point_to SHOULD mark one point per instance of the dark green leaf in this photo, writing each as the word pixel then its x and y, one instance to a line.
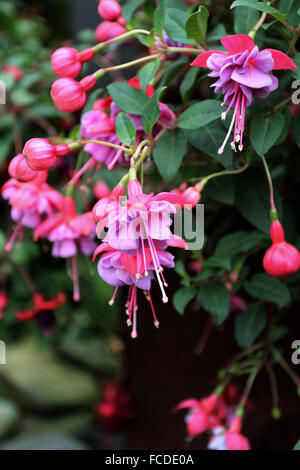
pixel 221 189
pixel 262 286
pixel 297 446
pixel 239 242
pixel 217 262
pixel 196 25
pixel 151 112
pixel 188 83
pixel 127 98
pixel 215 299
pixel 265 130
pixel 249 324
pixel 296 127
pixel 260 6
pixel 129 8
pixel 125 130
pixel 169 152
pixel 182 297
pixel 200 114
pixel 159 17
pixel 245 19
pixel 147 73
pixel 175 22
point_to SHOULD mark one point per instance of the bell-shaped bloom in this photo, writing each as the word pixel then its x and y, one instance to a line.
pixel 229 439
pixel 42 311
pixel 109 10
pixel 201 416
pixel 282 259
pixel 242 73
pixel 115 406
pixel 67 61
pixel 68 95
pixel 14 71
pixel 71 234
pixel 32 202
pixel 41 155
pixel 106 205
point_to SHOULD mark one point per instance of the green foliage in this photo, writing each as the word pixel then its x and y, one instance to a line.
pixel 125 129
pixel 215 299
pixel 128 99
pixel 169 152
pixel 249 324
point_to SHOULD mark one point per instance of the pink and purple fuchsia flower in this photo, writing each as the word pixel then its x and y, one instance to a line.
pixel 135 244
pixel 243 73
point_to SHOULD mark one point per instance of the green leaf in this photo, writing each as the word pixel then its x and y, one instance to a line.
pixel 159 17
pixel 244 19
pixel 249 324
pixel 200 114
pixel 217 262
pixel 217 33
pixel 175 22
pixel 252 199
pixel 239 242
pixel 169 152
pixel 125 130
pixel 260 6
pixel 182 297
pixel 6 143
pixel 221 189
pixel 209 138
pixel 127 98
pixel 147 73
pixel 297 446
pixel 151 112
pixel 196 25
pixel 262 286
pixel 129 8
pixel 265 130
pixel 215 299
pixel 296 127
pixel 188 83
pixel 22 97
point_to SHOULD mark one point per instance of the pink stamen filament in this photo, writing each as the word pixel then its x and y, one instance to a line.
pixel 115 159
pixel 18 228
pixel 134 331
pixel 112 300
pixel 231 103
pixel 76 291
pixel 156 322
pixel 89 164
pixel 221 149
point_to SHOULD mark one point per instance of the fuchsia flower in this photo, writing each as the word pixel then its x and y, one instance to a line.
pixel 41 155
pixel 109 10
pixel 136 242
pixel 200 418
pixel 243 73
pixel 31 202
pixel 3 303
pixel 229 439
pixel 68 95
pixel 70 234
pixel 19 169
pixel 67 61
pixel 109 30
pixel 42 311
pixel 14 71
pixel 282 259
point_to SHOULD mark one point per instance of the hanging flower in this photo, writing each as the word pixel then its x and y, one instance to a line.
pixel 229 439
pixel 243 73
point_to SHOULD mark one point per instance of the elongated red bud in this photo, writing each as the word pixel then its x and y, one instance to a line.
pixel 68 95
pixel 67 62
pixel 41 155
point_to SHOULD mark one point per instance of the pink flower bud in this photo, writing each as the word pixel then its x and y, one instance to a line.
pixel 122 21
pixel 69 95
pixel 281 259
pixel 109 30
pixel 19 169
pixel 134 188
pixel 191 196
pixel 67 62
pixel 41 155
pixel 109 9
pixel 16 72
pixel 101 189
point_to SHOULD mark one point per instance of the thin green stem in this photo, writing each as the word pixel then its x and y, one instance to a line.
pixel 271 188
pixel 100 142
pixel 132 62
pixel 185 49
pixel 134 32
pixel 278 357
pixel 225 172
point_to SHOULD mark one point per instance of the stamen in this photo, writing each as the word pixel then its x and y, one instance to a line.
pixel 221 149
pixel 156 322
pixel 89 164
pixel 112 300
pixel 76 291
pixel 17 230
pixel 115 160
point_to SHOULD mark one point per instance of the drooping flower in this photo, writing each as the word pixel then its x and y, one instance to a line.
pixel 14 71
pixel 109 10
pixel 68 95
pixel 115 406
pixel 70 234
pixel 109 30
pixel 243 73
pixel 41 155
pixel 42 311
pixel 229 439
pixel 201 415
pixel 19 169
pixel 3 303
pixel 32 202
pixel 282 259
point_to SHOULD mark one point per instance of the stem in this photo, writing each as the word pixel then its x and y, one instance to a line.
pixel 225 172
pixel 248 388
pixel 185 49
pixel 144 154
pixel 278 356
pixel 240 355
pixel 129 64
pixel 293 42
pixel 273 385
pixel 101 45
pixel 281 104
pixel 75 145
pixel 260 22
pixel 137 151
pixel 271 188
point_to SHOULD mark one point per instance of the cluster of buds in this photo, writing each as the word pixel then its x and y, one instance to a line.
pixel 113 24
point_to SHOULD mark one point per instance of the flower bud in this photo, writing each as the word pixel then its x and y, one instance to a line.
pixel 67 62
pixel 109 10
pixel 281 259
pixel 41 155
pixel 19 169
pixel 191 196
pixel 109 30
pixel 69 95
